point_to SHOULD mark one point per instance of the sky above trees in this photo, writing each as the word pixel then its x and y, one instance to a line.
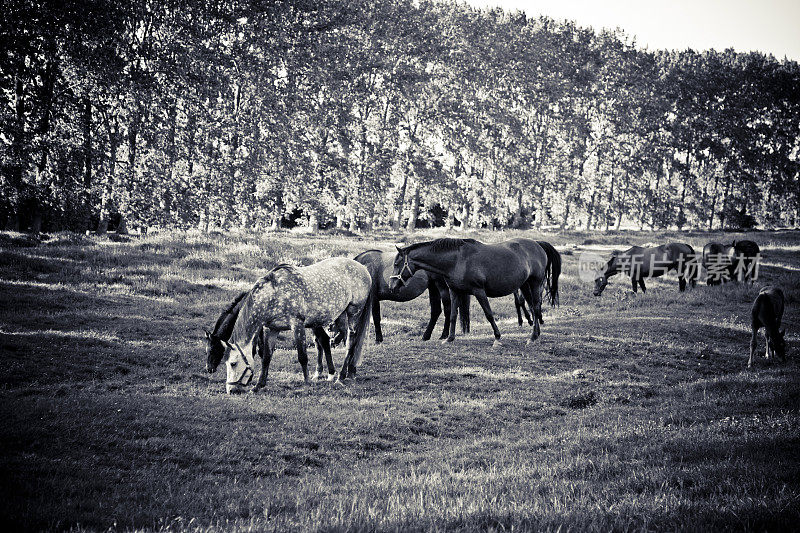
pixel 768 26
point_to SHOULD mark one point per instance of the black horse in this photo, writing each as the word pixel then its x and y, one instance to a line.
pixel 438 295
pixel 767 312
pixel 485 271
pixel 641 263
pixel 726 262
pixel 745 260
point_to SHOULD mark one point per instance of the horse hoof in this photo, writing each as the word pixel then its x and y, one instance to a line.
pixel 497 344
pixel 331 377
pixel 315 376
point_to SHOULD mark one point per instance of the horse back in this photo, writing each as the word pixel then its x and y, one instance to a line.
pixel 767 308
pixel 745 248
pixel 381 264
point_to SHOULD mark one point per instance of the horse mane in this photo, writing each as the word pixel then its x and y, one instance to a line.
pixel 365 252
pixel 277 268
pixel 239 331
pixel 230 310
pixel 444 244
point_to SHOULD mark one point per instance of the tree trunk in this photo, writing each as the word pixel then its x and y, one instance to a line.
pixel 133 137
pixel 172 156
pixel 106 200
pixel 17 143
pixel 87 162
pixel 590 210
pixel 465 216
pixel 684 182
pixel 412 219
pixel 451 219
pixel 397 221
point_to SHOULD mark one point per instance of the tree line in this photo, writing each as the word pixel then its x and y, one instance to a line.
pixel 365 113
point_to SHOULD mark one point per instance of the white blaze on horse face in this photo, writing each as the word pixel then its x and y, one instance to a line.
pixel 239 371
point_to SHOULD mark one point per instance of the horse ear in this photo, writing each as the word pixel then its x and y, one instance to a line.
pixel 207 332
pixel 226 344
pixel 398 248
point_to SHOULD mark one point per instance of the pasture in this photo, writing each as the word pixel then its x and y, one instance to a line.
pixel 630 412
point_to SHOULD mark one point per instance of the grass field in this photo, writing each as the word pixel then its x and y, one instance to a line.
pixel 631 412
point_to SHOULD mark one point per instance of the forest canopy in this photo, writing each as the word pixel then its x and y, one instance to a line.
pixel 364 113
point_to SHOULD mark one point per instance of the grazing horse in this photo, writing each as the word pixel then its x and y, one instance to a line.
pixel 223 327
pixel 725 262
pixel 295 298
pixel 438 295
pixel 717 262
pixel 656 261
pixel 767 312
pixel 485 271
pixel 746 260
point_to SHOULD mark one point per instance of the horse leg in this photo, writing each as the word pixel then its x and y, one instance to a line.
pixel 641 284
pixel 348 369
pixel 681 281
pixel 436 310
pixel 480 295
pixel 266 345
pixel 634 284
pixel 533 291
pixel 447 305
pixel 299 330
pixel 518 297
pixel 376 319
pixel 320 352
pixel 455 298
pixel 753 344
pixel 323 348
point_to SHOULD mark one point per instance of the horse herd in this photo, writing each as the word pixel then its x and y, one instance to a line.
pixel 341 293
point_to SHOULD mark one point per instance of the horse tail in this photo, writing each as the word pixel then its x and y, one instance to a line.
pixel 552 271
pixel 362 326
pixel 463 311
pixel 362 323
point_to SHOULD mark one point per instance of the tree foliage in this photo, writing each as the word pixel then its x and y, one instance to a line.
pixel 370 112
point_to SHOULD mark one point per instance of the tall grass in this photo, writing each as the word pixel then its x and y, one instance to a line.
pixel 631 412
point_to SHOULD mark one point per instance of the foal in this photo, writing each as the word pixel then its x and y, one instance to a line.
pixel 767 312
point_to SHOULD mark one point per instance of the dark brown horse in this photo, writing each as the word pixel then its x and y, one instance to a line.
pixel 485 271
pixel 746 256
pixel 726 262
pixel 717 260
pixel 767 312
pixel 640 263
pixel 438 295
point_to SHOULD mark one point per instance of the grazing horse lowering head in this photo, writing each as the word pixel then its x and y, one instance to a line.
pixel 777 344
pixel 601 281
pixel 239 369
pixel 404 269
pixel 215 351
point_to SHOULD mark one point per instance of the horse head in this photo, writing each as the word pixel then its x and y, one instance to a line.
pixel 778 344
pixel 239 369
pixel 402 271
pixel 215 351
pixel 601 280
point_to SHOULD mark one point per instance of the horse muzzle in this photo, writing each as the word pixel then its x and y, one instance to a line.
pixel 232 387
